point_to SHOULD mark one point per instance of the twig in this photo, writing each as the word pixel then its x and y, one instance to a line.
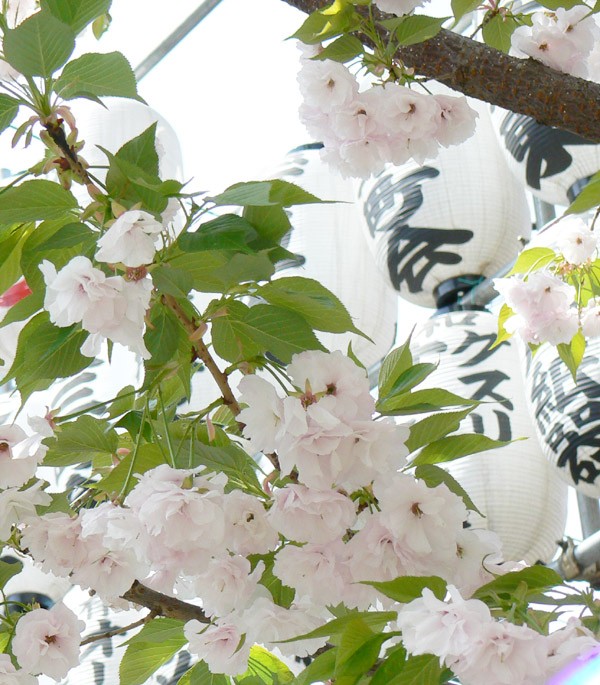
pixel 203 354
pixel 57 133
pixel 163 605
pixel 118 631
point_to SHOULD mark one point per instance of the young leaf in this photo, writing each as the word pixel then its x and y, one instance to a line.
pixel 342 49
pixel 97 75
pixel 394 365
pixel 462 7
pixel 435 427
pixel 417 28
pixel 587 198
pixel 8 570
pixel 532 259
pixel 454 447
pixel 358 650
pixel 497 30
pixel 572 353
pixel 76 13
pixel 535 579
pixel 80 441
pixel 264 668
pixel 200 675
pixel 373 619
pixel 505 313
pixel 421 401
pixel 434 475
pixel 39 45
pixel 406 588
pixel 264 194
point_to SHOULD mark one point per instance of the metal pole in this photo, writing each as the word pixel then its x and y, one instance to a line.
pixel 589 514
pixel 174 38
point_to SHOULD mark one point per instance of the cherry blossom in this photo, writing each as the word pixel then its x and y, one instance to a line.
pixel 9 675
pixel 398 7
pixel 47 641
pixel 16 468
pixel 131 240
pixel 221 645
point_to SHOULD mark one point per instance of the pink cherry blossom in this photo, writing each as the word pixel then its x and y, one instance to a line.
pixel 221 645
pixel 398 7
pixel 9 675
pixel 16 467
pixel 455 120
pixel 575 240
pixel 590 319
pixel 130 240
pixel 47 641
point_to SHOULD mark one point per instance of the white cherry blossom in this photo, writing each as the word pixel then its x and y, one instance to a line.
pixel 131 240
pixel 9 675
pixel 222 646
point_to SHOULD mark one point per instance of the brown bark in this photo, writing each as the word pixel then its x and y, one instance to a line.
pixel 520 85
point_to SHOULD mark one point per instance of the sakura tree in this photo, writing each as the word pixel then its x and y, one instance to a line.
pixel 295 513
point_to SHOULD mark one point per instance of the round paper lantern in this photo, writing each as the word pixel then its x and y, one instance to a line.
pixel 439 228
pixel 121 120
pixel 553 164
pixel 522 497
pixel 31 584
pixel 331 241
pixel 567 415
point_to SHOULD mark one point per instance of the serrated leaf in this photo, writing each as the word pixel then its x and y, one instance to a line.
pixel 406 588
pixel 97 75
pixel 358 649
pixel 76 13
pixel 534 578
pixel 434 475
pixel 422 401
pixel 587 198
pixel 417 28
pixel 394 365
pixel 153 646
pixel 497 31
pixel 264 667
pixel 227 232
pixel 435 427
pixel 39 45
pixel 264 194
pixel 532 259
pixel 555 4
pixel 271 222
pixel 373 619
pixel 8 111
pixel 339 17
pixel 80 441
pixel 171 281
pixel 311 300
pixel 454 447
pixel 408 379
pixel 462 7
pixel 423 670
pixel 342 49
pixel 162 335
pixel 35 201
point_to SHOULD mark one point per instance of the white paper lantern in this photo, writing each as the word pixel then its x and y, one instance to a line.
pixel 567 415
pixel 523 499
pixel 121 120
pixel 439 228
pixel 553 164
pixel 331 239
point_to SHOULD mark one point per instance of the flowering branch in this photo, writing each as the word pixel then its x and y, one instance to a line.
pixel 524 86
pixel 118 631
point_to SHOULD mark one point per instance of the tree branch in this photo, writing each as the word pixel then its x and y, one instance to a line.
pixel 163 605
pixel 520 85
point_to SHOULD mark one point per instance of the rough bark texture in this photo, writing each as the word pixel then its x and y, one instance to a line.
pixel 520 85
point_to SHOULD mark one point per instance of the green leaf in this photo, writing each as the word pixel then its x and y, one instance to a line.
pixel 422 670
pixel 264 667
pixel 97 75
pixel 171 281
pixel 342 49
pixel 435 427
pixel 129 182
pixel 572 353
pixel 10 256
pixel 227 232
pixel 528 581
pixel 264 194
pixel 555 4
pixel 205 273
pixel 417 28
pixel 271 222
pixel 141 151
pixel 406 588
pixel 320 669
pixel 390 671
pixel 162 334
pixel 407 380
pixel 339 17
pixel 505 313
pixel 282 594
pixel 76 13
pixel 8 111
pixel 394 365
pixel 7 571
pixel 532 259
pixel 200 675
pixel 456 446
pixel 422 401
pixel 80 441
pixel 462 7
pixel 497 30
pixel 358 649
pixel 34 201
pixel 46 352
pixel 23 309
pixel 153 646
pixel 373 619
pixel 40 45
pixel 434 475
pixel 311 300
pixel 587 198
pixel 248 331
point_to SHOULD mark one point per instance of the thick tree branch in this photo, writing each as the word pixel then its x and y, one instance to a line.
pixel 163 605
pixel 520 85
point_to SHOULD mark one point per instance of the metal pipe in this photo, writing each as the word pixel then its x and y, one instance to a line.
pixel 174 38
pixel 587 552
pixel 589 515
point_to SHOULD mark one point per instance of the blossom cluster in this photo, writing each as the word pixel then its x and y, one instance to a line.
pixel 546 306
pixel 363 130
pixel 481 649
pixel 110 307
pixel 564 39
